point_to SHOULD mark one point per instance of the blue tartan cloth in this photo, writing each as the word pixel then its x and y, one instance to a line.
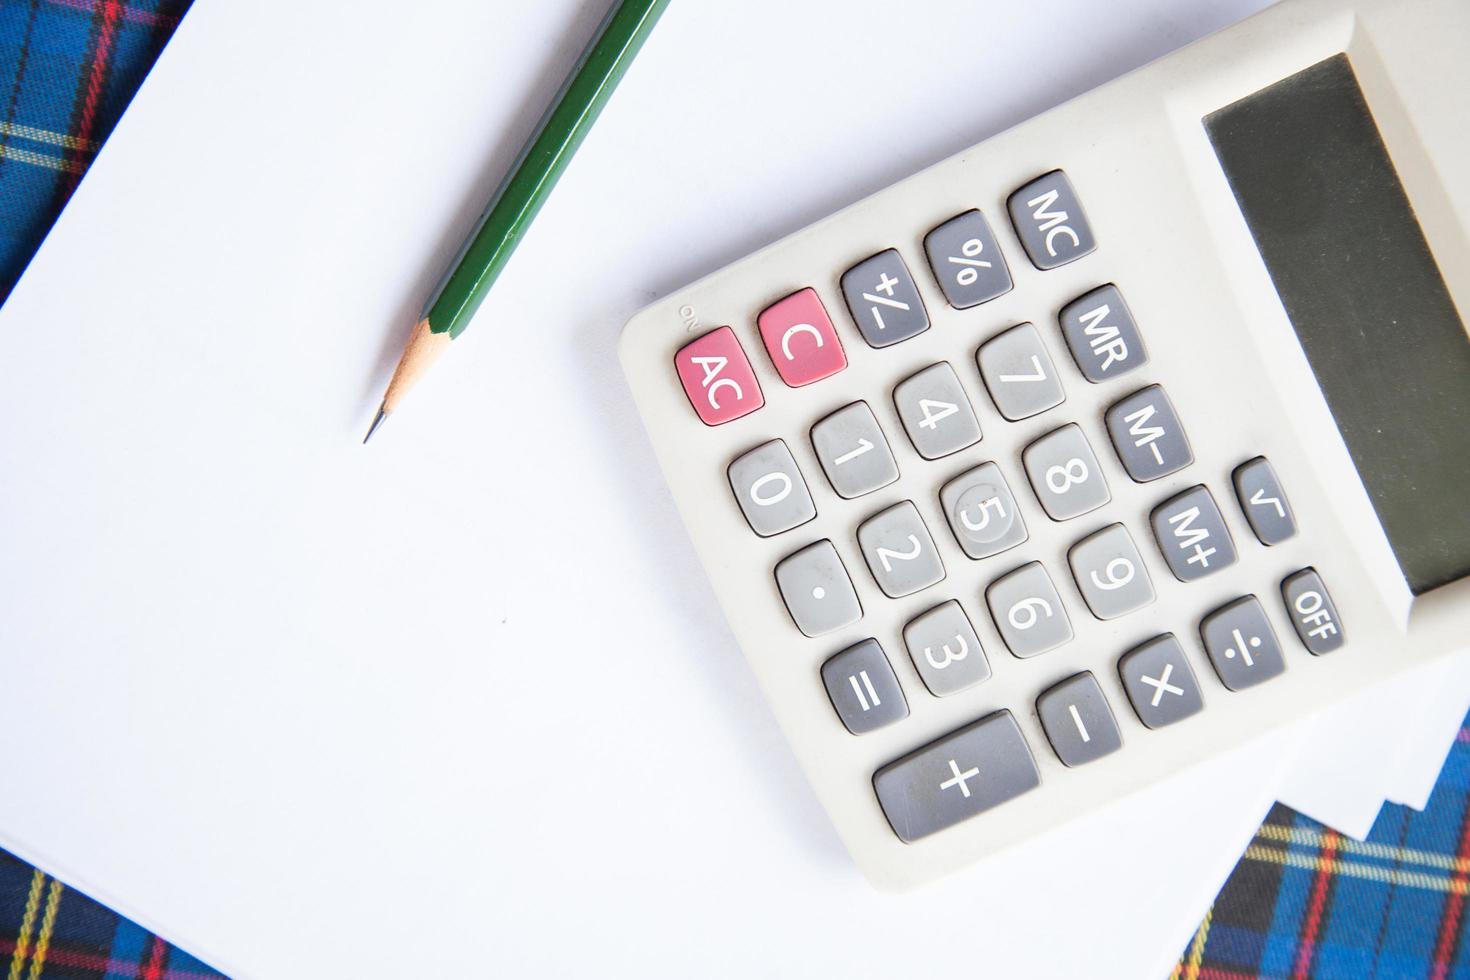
pixel 1303 902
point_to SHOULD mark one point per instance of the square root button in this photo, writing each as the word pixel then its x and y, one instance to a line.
pixel 956 777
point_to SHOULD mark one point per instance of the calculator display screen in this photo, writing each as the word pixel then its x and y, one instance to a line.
pixel 1363 292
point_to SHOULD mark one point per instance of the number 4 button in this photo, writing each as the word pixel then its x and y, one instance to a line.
pixel 936 413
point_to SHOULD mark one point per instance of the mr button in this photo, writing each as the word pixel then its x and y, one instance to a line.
pixel 1312 611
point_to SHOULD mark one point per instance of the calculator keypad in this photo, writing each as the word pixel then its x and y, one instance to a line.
pixel 1101 334
pixel 860 682
pixel 772 494
pixel 1065 475
pixel 1159 682
pixel 935 412
pixel 718 378
pixel 1147 435
pixel 1241 644
pixel 853 451
pixel 1110 573
pixel 899 551
pixel 1192 536
pixel 801 339
pixel 953 778
pixel 981 512
pixel 1077 720
pixel 884 300
pixel 1019 374
pixel 966 261
pixel 945 650
pixel 817 590
pixel 1050 222
pixel 1028 612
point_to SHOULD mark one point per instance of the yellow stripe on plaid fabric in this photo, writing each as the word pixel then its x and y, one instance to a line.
pixel 1403 855
pixel 1197 948
pixel 46 136
pixel 48 925
pixel 1356 869
pixel 27 923
pixel 41 160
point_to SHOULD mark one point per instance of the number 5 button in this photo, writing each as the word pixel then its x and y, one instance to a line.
pixel 1028 612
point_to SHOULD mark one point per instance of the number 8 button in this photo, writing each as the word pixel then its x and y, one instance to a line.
pixel 1065 474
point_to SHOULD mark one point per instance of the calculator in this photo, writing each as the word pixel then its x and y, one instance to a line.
pixel 1105 445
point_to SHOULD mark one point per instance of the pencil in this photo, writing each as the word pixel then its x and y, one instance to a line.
pixel 518 199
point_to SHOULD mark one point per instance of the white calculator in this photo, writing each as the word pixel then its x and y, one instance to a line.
pixel 1103 446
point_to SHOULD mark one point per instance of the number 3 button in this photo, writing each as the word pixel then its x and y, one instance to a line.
pixel 1028 612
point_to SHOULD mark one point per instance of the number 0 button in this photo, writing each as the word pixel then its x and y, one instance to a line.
pixel 770 489
pixel 1028 612
pixel 900 551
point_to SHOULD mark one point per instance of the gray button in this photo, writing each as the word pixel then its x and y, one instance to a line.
pixel 883 299
pixel 770 489
pixel 1241 644
pixel 1263 502
pixel 1147 435
pixel 817 590
pixel 853 452
pixel 1065 474
pixel 1077 720
pixel 1159 683
pixel 1312 612
pixel 966 260
pixel 945 650
pixel 1110 573
pixel 1028 612
pixel 952 779
pixel 1019 374
pixel 981 512
pixel 1192 536
pixel 1049 221
pixel 935 412
pixel 900 551
pixel 862 687
pixel 1101 333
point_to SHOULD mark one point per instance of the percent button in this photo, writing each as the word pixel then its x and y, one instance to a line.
pixel 966 261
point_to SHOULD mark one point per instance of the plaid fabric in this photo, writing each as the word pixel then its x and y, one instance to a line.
pixel 1303 902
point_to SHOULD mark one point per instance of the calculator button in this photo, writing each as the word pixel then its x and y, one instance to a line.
pixel 1028 612
pixel 1312 612
pixel 1019 374
pixel 981 512
pixel 801 340
pixel 1102 335
pixel 883 299
pixel 945 650
pixel 900 551
pixel 1241 644
pixel 1159 683
pixel 1263 502
pixel 1147 435
pixel 853 452
pixel 1064 473
pixel 1077 720
pixel 966 260
pixel 1050 222
pixel 956 777
pixel 1110 573
pixel 936 413
pixel 717 378
pixel 770 490
pixel 862 687
pixel 817 590
pixel 1191 535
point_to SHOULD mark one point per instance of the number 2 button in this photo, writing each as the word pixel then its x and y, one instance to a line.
pixel 718 378
pixel 900 551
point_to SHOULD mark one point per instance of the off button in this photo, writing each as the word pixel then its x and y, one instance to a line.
pixel 1312 612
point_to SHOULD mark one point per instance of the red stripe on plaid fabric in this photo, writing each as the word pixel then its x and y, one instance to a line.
pixel 146 17
pixel 1220 973
pixel 112 11
pixel 79 959
pixel 1454 908
pixel 1307 944
pixel 156 953
pixel 1464 735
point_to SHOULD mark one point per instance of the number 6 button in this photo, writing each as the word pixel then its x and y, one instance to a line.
pixel 1028 612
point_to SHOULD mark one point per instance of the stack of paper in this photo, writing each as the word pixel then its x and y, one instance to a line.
pixel 460 703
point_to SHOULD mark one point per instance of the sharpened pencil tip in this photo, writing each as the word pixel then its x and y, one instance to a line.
pixel 382 414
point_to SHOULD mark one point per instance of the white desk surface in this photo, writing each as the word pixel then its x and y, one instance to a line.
pixel 461 703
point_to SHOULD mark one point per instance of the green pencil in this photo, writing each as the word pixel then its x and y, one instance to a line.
pixel 521 194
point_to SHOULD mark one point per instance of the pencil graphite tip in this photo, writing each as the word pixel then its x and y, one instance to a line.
pixel 382 414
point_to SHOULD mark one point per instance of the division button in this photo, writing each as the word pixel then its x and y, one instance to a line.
pixel 1241 644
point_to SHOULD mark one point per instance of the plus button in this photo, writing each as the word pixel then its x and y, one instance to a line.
pixel 959 778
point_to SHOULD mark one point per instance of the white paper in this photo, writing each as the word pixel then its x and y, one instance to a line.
pixel 314 709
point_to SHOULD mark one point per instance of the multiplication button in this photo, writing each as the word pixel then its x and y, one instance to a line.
pixel 1159 682
pixel 956 777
